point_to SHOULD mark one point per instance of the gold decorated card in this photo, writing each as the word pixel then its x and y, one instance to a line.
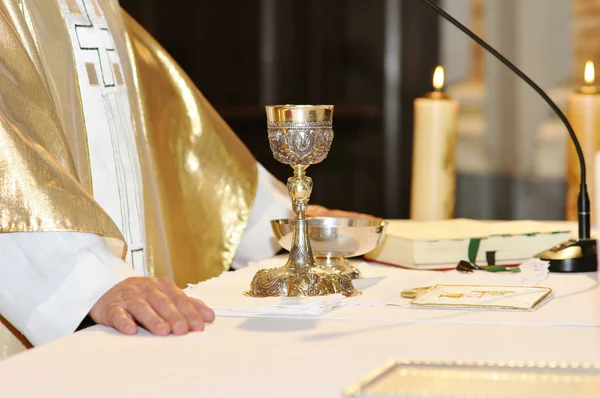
pixel 483 296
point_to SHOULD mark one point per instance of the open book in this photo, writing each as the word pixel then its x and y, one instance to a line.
pixel 442 244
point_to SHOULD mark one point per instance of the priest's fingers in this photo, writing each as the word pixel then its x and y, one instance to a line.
pixel 194 318
pixel 173 291
pixel 156 303
pixel 207 313
pixel 147 316
pixel 121 320
pixel 194 310
pixel 165 307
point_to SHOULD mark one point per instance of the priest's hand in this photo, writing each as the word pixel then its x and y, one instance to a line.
pixel 320 211
pixel 156 303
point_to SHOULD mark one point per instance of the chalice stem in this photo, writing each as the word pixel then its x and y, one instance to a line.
pixel 300 188
pixel 301 255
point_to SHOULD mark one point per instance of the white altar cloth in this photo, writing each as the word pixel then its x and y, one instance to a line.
pixel 381 301
pixel 269 358
pixel 252 355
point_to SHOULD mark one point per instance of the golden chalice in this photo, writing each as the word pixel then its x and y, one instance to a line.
pixel 300 135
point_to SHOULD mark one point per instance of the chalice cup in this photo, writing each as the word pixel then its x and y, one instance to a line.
pixel 300 135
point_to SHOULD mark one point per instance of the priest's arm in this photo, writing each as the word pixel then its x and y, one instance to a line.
pixel 51 280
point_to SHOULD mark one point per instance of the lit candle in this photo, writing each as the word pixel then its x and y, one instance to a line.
pixel 583 112
pixel 434 148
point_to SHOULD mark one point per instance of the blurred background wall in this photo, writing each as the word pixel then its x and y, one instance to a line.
pixel 372 58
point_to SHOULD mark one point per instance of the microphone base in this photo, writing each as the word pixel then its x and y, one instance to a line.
pixel 572 256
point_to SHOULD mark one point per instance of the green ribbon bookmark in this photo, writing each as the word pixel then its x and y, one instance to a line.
pixel 474 249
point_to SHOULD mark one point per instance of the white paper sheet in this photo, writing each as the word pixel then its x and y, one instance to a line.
pixel 226 295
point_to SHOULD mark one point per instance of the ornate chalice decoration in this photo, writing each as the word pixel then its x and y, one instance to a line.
pixel 300 135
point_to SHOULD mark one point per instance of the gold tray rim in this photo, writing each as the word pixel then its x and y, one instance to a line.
pixel 357 388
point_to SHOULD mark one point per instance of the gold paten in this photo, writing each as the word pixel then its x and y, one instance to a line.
pixel 300 135
pixel 333 239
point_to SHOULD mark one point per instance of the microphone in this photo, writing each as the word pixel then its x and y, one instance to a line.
pixel 574 255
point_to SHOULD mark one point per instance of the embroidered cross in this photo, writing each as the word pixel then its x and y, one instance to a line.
pixel 92 37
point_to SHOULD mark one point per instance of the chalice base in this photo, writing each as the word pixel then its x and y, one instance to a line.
pixel 340 264
pixel 292 281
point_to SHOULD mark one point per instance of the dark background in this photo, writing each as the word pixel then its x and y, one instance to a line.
pixel 369 58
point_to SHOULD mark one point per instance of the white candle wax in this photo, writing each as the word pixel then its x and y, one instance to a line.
pixel 433 189
pixel 583 112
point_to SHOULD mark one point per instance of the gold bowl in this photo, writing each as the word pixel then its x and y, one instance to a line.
pixel 333 239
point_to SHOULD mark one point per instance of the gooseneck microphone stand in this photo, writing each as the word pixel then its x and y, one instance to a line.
pixel 575 255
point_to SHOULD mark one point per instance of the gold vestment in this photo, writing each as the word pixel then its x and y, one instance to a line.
pixel 199 179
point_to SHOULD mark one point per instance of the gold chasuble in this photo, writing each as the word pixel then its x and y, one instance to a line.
pixel 198 179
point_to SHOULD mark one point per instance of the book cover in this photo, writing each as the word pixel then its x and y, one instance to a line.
pixel 442 244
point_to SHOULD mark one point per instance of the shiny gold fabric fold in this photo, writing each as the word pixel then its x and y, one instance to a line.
pixel 203 178
pixel 199 179
pixel 39 188
pixel 58 66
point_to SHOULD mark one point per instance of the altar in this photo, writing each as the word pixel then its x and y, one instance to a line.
pixel 265 354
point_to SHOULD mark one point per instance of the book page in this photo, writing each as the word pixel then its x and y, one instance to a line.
pixel 461 228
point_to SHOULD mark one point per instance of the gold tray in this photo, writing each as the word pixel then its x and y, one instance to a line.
pixel 456 379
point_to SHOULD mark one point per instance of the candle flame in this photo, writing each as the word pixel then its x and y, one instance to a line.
pixel 589 73
pixel 438 78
